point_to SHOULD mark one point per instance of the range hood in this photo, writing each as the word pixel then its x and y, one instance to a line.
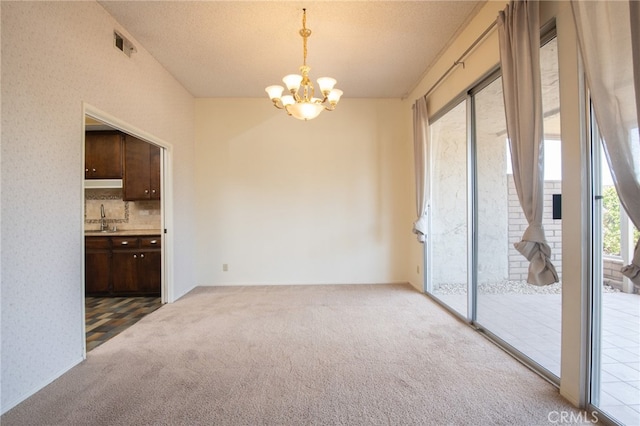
pixel 103 183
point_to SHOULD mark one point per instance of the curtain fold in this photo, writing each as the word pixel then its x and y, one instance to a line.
pixel 519 35
pixel 420 155
pixel 607 33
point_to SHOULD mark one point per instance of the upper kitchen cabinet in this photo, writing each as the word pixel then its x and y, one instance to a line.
pixel 141 170
pixel 103 155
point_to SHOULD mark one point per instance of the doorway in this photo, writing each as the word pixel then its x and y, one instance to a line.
pixel 125 267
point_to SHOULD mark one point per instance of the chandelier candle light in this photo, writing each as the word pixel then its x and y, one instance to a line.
pixel 301 102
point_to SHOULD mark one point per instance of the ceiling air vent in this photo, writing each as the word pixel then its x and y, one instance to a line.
pixel 123 44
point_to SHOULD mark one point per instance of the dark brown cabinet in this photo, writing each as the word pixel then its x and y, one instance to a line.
pixel 149 265
pixel 136 265
pixel 141 170
pixel 123 266
pixel 97 265
pixel 103 155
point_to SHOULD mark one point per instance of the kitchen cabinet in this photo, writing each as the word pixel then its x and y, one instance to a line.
pixel 103 155
pixel 150 265
pixel 97 267
pixel 141 170
pixel 123 266
pixel 136 265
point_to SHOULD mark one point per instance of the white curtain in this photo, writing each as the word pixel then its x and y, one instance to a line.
pixel 610 44
pixel 420 155
pixel 519 35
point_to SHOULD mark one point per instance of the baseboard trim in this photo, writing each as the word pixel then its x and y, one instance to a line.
pixel 297 283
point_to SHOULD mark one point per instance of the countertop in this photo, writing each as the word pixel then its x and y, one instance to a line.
pixel 123 233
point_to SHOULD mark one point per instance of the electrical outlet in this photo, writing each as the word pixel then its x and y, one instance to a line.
pixel 225 267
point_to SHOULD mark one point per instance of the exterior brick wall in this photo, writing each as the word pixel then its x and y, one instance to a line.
pixel 611 271
pixel 518 264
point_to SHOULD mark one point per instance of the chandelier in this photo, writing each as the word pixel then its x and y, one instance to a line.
pixel 301 103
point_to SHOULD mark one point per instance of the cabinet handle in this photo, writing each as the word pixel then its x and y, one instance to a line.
pixel 141 255
pixel 154 241
pixel 135 256
pixel 94 170
pixel 153 191
pixel 86 170
pixel 124 243
pixel 146 191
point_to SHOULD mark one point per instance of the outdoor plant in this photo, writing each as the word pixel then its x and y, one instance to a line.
pixel 611 222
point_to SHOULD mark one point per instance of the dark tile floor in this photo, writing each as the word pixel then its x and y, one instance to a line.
pixel 108 316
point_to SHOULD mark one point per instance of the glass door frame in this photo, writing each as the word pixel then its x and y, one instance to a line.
pixel 473 225
pixel 465 97
pixel 595 255
pixel 596 278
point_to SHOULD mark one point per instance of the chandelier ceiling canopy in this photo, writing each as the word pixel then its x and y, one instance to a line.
pixel 301 102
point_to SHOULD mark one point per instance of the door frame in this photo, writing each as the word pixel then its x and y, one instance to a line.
pixel 166 203
pixel 594 306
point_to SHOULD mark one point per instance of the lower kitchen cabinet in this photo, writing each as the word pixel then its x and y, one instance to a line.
pixel 97 266
pixel 150 264
pixel 136 265
pixel 125 272
pixel 133 268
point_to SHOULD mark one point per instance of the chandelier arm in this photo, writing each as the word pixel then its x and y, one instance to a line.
pixel 278 103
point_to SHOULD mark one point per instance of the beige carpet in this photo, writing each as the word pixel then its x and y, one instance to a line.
pixel 296 355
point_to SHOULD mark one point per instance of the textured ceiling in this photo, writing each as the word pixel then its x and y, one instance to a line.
pixel 375 49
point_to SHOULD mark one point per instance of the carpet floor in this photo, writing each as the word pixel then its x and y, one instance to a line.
pixel 296 355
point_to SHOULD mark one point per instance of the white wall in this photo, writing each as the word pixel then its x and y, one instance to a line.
pixel 283 201
pixel 55 56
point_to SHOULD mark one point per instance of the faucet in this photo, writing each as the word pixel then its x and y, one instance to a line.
pixel 103 221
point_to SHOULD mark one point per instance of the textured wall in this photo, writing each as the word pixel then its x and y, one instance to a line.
pixel 283 201
pixel 55 56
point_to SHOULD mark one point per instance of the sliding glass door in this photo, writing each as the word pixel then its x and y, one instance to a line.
pixel 476 218
pixel 525 317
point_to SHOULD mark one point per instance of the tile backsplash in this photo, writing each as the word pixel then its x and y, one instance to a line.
pixel 125 215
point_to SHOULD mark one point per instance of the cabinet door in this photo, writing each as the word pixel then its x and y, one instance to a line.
pixel 149 272
pixel 97 266
pixel 96 269
pixel 103 155
pixel 125 271
pixel 136 185
pixel 154 171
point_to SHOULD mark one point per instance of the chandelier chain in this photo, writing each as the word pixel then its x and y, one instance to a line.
pixel 305 33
